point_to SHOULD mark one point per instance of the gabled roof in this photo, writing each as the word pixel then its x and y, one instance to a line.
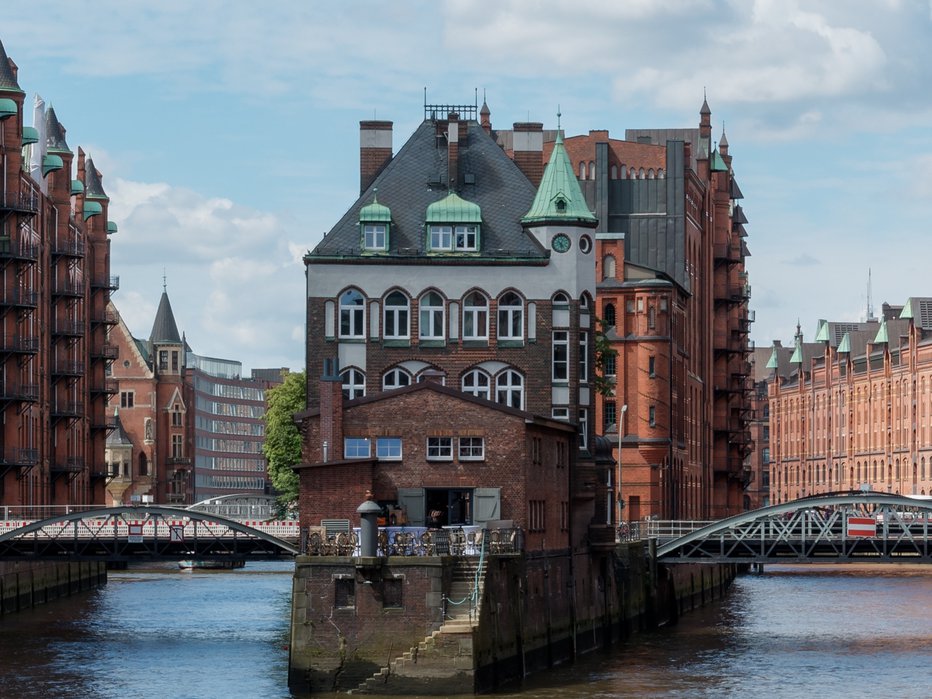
pixel 118 437
pixel 164 329
pixel 559 198
pixel 416 177
pixel 7 80
pixel 920 310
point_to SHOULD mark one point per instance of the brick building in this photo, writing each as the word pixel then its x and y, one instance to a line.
pixel 455 266
pixel 673 294
pixel 853 409
pixel 54 317
pixel 194 424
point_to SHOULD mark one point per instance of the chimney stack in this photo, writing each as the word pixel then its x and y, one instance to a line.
pixel 528 146
pixel 453 149
pixel 375 150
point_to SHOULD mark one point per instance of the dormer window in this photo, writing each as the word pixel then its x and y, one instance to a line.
pixel 374 222
pixel 453 225
pixel 374 236
pixel 561 205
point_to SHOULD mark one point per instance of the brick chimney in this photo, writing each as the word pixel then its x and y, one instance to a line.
pixel 331 413
pixel 529 149
pixel 453 149
pixel 375 150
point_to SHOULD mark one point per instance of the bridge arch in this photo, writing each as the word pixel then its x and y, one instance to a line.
pixel 102 524
pixel 885 506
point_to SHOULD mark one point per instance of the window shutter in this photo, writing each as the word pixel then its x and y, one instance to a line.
pixel 487 504
pixel 411 500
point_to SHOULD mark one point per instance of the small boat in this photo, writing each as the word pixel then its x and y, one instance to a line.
pixel 189 564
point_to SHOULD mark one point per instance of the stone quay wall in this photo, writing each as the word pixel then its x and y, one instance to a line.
pixel 537 610
pixel 24 585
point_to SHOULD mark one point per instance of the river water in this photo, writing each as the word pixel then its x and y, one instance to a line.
pixel 790 632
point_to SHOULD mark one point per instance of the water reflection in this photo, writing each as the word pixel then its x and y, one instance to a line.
pixel 792 632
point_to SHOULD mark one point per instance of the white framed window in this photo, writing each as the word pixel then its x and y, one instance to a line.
pixel 127 399
pixel 397 313
pixel 177 416
pixel 561 299
pixel 177 446
pixel 477 383
pixel 431 316
pixel 475 317
pixel 352 314
pixel 356 448
pixel 466 237
pixel 583 356
pixel 354 383
pixel 510 317
pixel 509 389
pixel 440 448
pixel 560 413
pixel 561 355
pixel 395 378
pixel 471 448
pixel 583 428
pixel 441 237
pixel 374 236
pixel 388 448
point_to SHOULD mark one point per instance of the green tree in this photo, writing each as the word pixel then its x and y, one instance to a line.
pixel 604 384
pixel 282 447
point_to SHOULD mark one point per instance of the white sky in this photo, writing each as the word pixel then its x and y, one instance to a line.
pixel 228 131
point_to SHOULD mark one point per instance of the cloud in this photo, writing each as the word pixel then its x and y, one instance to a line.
pixel 232 274
pixel 803 261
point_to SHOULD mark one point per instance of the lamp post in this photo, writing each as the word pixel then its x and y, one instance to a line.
pixel 621 435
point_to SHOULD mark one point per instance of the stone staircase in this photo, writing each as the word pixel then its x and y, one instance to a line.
pixel 446 654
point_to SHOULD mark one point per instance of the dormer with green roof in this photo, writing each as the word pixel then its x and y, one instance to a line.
pixel 375 222
pixel 453 225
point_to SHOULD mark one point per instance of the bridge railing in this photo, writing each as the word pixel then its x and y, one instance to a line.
pixel 418 541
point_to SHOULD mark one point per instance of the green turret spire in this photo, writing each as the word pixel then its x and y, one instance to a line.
pixel 559 198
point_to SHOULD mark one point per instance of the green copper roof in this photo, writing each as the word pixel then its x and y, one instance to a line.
pixel 92 208
pixel 30 135
pixel 907 311
pixel 95 189
pixel 7 108
pixel 375 212
pixel 822 335
pixel 559 198
pixel 797 357
pixel 772 363
pixel 50 163
pixel 77 186
pixel 881 336
pixel 844 347
pixel 55 134
pixel 718 163
pixel 112 227
pixel 453 209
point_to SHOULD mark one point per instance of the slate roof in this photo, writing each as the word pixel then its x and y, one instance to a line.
pixel 7 81
pixel 164 329
pixel 92 184
pixel 416 178
pixel 118 437
pixel 55 134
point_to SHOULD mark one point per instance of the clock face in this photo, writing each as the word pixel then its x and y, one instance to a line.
pixel 560 242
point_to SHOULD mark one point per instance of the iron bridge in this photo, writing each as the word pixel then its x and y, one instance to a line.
pixel 846 528
pixel 147 532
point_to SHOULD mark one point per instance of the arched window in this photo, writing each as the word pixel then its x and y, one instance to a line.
pixel 561 299
pixel 397 313
pixel 431 316
pixel 609 312
pixel 510 317
pixel 477 383
pixel 354 383
pixel 614 172
pixel 475 317
pixel 591 170
pixel 352 312
pixel 608 267
pixel 509 389
pixel 395 378
pixel 582 171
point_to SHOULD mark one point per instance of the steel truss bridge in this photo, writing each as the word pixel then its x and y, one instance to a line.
pixel 845 528
pixel 147 532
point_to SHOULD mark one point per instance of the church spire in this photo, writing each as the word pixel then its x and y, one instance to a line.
pixel 164 329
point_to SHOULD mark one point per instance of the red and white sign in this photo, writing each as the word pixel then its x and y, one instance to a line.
pixel 862 527
pixel 175 532
pixel 135 533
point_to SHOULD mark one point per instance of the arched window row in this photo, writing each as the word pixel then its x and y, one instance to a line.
pixel 506 386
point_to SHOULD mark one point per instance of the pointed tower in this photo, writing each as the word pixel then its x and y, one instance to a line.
pixel 165 341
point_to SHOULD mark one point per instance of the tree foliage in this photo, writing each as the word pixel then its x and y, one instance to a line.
pixel 604 384
pixel 282 446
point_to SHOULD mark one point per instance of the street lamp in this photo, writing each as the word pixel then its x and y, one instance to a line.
pixel 621 434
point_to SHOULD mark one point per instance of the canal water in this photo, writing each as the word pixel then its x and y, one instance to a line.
pixel 790 632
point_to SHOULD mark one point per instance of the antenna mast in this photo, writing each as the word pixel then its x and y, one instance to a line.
pixel 870 303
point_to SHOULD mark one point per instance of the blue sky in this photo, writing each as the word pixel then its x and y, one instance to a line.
pixel 228 132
